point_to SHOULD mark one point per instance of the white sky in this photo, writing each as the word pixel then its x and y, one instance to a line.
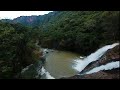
pixel 14 14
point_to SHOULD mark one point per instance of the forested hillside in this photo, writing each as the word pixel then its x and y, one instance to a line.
pixel 17 49
pixel 80 31
pixel 33 21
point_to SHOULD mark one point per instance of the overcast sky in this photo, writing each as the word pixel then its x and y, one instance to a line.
pixel 14 14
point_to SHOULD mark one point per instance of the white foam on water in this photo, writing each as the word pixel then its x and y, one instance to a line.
pixel 42 70
pixel 48 76
pixel 81 57
pixel 81 64
pixel 108 66
pixel 26 68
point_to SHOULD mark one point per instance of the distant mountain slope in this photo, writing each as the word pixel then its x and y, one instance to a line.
pixel 35 20
pixel 6 20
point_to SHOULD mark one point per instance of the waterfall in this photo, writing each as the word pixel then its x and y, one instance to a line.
pixel 41 71
pixel 81 64
pixel 108 66
pixel 46 73
pixel 26 68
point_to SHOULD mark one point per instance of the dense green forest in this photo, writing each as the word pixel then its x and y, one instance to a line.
pixel 17 49
pixel 80 31
pixel 77 31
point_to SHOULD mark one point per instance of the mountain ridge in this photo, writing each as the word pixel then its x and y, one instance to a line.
pixel 33 20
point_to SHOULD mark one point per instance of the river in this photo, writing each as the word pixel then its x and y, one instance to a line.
pixel 59 63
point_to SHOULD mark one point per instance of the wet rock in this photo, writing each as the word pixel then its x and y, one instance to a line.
pixel 108 74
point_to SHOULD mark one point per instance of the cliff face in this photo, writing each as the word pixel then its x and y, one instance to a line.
pixel 26 20
pixel 111 55
pixel 35 20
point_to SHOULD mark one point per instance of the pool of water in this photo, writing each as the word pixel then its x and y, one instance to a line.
pixel 59 63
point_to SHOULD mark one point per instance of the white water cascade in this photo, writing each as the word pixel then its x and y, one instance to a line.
pixel 108 66
pixel 81 64
pixel 26 68
pixel 47 74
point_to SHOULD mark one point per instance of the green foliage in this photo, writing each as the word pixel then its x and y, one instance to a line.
pixel 16 49
pixel 82 31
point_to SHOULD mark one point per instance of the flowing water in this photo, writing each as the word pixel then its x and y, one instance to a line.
pixel 58 64
pixel 65 64
pixel 108 66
